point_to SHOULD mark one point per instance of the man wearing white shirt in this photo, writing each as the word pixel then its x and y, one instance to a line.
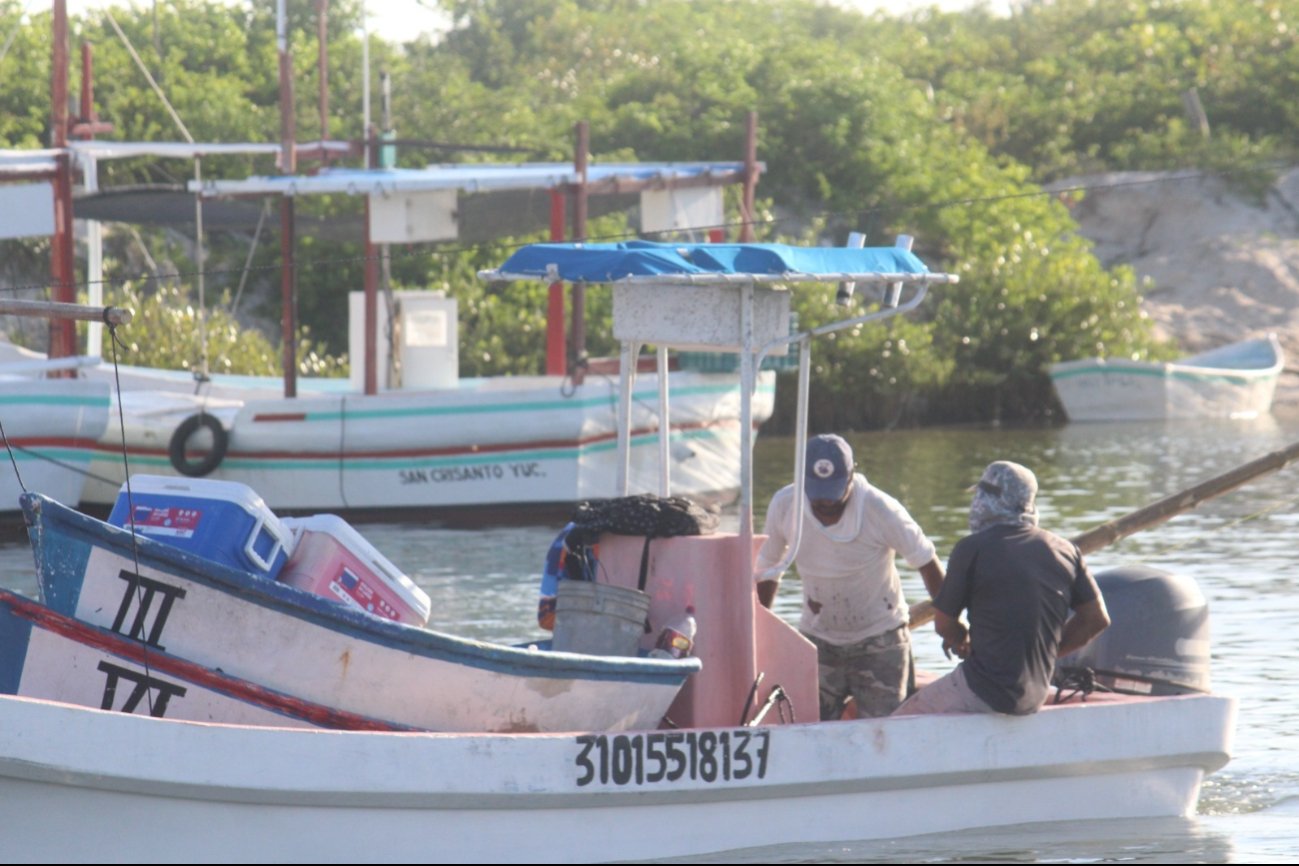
pixel 853 608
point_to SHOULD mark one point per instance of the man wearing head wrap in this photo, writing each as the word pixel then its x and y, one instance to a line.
pixel 853 609
pixel 1029 598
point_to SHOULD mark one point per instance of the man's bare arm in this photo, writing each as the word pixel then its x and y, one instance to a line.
pixel 932 573
pixel 1088 620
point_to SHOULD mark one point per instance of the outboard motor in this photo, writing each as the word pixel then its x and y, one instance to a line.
pixel 1158 639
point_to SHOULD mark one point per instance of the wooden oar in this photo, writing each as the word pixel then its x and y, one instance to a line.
pixel 1156 513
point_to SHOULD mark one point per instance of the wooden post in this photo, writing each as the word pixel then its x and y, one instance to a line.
pixel 288 297
pixel 750 176
pixel 578 311
pixel 63 335
pixel 322 67
pixel 370 284
pixel 555 365
pixel 288 165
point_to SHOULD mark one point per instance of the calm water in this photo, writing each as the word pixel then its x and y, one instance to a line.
pixel 1240 548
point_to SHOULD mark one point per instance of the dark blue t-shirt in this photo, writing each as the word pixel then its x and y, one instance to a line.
pixel 1018 584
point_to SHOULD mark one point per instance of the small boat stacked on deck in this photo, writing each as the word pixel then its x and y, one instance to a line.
pixel 737 759
pixel 191 574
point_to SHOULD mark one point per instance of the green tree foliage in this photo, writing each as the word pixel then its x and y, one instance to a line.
pixel 1073 87
pixel 939 125
pixel 165 331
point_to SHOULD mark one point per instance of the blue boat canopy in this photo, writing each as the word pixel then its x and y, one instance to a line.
pixel 613 262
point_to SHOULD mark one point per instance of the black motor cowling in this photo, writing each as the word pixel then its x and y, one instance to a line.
pixel 1158 640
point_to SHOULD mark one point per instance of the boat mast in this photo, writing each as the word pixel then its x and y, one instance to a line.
pixel 63 335
pixel 288 165
pixel 578 312
pixel 85 128
pixel 750 176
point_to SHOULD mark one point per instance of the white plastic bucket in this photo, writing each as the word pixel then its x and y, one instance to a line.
pixel 599 618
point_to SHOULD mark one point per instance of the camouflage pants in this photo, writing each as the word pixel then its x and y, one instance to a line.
pixel 877 672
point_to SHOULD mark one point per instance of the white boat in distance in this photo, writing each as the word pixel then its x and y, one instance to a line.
pixel 481 448
pixel 741 767
pixel 1232 381
pixel 51 431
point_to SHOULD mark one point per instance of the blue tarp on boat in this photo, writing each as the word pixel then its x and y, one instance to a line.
pixel 601 263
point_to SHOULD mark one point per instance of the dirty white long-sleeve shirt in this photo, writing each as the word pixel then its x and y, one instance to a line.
pixel 848 568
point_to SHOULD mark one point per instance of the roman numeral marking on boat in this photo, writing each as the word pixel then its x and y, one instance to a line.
pixel 142 685
pixel 145 590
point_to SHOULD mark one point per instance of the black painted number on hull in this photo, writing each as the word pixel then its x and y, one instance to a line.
pixel 670 756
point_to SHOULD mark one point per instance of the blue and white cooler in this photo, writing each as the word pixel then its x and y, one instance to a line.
pixel 224 521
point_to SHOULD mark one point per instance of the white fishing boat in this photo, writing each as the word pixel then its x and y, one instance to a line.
pixel 1233 381
pixel 484 447
pixel 407 433
pixel 738 762
pixel 153 790
pixel 51 427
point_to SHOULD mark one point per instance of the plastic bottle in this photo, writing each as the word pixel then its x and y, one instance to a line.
pixel 678 639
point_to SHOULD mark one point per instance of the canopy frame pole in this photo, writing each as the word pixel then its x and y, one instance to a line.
pixel 627 381
pixel 665 426
pixel 749 365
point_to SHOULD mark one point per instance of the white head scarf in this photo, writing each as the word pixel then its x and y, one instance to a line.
pixel 1004 495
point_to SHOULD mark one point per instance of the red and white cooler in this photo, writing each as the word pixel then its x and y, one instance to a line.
pixel 333 560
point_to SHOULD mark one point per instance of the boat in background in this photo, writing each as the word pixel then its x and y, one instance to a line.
pixel 51 429
pixel 1232 381
pixel 479 449
pixel 407 433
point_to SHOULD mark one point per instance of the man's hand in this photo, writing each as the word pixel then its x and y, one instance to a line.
pixel 961 647
pixel 956 637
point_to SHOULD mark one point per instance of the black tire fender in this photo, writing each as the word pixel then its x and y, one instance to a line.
pixel 184 432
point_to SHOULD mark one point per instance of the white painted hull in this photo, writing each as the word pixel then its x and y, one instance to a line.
pixel 498 442
pixel 52 427
pixel 146 790
pixel 326 653
pixel 1101 389
pixel 55 658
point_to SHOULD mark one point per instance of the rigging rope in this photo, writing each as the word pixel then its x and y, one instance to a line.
pixel 114 340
